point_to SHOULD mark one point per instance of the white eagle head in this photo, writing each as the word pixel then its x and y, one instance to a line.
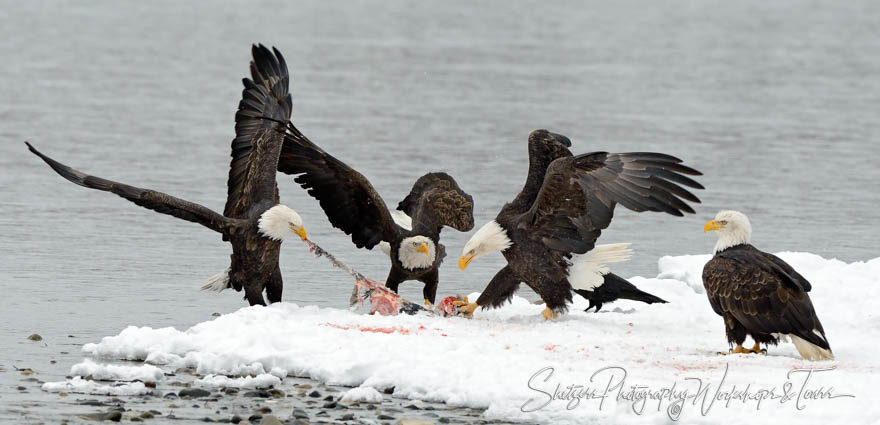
pixel 280 221
pixel 417 252
pixel 732 227
pixel 490 238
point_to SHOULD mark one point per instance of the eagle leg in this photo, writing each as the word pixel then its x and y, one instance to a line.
pixel 549 314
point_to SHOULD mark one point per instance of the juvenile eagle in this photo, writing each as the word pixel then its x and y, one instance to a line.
pixel 253 221
pixel 759 294
pixel 548 232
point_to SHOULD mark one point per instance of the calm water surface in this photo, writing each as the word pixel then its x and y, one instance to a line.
pixel 777 104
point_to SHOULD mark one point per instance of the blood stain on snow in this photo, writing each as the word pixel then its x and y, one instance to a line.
pixel 390 330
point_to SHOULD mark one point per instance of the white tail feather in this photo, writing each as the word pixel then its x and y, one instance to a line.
pixel 218 282
pixel 587 271
pixel 809 350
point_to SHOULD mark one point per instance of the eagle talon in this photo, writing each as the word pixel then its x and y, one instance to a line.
pixel 755 350
pixel 739 349
pixel 469 309
pixel 549 314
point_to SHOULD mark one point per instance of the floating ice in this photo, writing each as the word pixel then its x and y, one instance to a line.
pixel 80 385
pixel 112 372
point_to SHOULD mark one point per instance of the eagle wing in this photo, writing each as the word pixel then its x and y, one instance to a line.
pixel 753 287
pixel 263 111
pixel 436 200
pixel 577 199
pixel 423 184
pixel 151 199
pixel 544 148
pixel 347 197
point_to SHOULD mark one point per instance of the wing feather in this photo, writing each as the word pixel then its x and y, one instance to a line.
pixel 577 199
pixel 436 200
pixel 147 198
pixel 347 197
pixel 262 113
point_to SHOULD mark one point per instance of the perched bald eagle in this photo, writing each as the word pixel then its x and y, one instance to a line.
pixel 758 294
pixel 548 232
pixel 253 222
pixel 410 236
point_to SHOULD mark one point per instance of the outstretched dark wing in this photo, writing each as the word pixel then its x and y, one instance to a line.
pixel 544 148
pixel 262 113
pixel 349 200
pixel 156 201
pixel 579 194
pixel 765 298
pixel 436 200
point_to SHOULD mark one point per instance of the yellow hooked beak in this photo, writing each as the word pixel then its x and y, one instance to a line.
pixel 423 248
pixel 464 260
pixel 300 231
pixel 712 225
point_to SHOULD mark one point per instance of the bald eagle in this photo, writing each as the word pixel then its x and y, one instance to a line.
pixel 548 232
pixel 758 294
pixel 253 221
pixel 410 235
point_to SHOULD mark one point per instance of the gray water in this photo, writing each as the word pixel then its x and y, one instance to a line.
pixel 777 104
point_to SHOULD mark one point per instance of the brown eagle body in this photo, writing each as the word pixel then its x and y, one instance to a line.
pixel 353 206
pixel 760 295
pixel 252 188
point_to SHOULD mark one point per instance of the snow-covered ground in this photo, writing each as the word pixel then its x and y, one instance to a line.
pixel 630 363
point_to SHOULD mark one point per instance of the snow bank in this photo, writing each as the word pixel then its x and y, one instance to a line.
pixel 111 372
pixel 263 380
pixel 362 394
pixel 630 363
pixel 83 386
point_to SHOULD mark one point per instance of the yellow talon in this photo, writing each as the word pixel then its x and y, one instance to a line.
pixel 549 314
pixel 739 349
pixel 755 350
pixel 428 304
pixel 469 309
